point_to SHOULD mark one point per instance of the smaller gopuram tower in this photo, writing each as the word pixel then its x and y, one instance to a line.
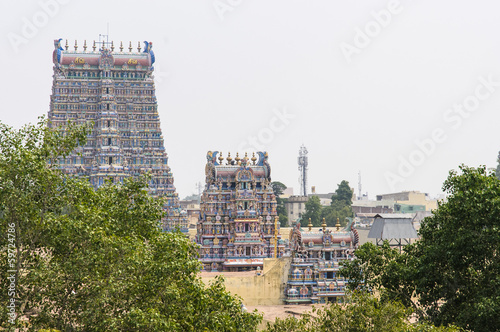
pixel 238 225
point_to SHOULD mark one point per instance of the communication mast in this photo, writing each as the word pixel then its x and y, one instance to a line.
pixel 359 185
pixel 302 160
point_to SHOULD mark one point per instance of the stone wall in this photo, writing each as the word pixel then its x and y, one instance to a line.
pixel 266 289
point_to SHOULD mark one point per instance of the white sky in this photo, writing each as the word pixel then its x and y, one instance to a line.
pixel 220 81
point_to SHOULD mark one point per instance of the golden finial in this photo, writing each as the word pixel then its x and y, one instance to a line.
pixel 237 159
pixel 310 225
pixel 85 45
pixel 324 225
pixel 229 158
pixel 138 46
pixel 130 47
pixel 221 158
pixel 112 46
pixel 254 159
pixel 66 45
pixel 121 46
pixel 246 156
pixel 76 46
pixel 337 225
pixel 93 46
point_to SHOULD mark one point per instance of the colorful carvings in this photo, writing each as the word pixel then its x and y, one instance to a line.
pixel 238 222
pixel 115 91
pixel 313 276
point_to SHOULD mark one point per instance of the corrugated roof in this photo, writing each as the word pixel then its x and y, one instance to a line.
pixel 387 229
pixel 395 215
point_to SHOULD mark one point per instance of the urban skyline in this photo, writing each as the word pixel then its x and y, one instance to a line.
pixel 370 87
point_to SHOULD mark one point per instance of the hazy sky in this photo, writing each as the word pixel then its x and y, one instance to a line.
pixel 402 91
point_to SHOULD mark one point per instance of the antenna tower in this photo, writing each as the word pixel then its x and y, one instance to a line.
pixel 359 185
pixel 303 162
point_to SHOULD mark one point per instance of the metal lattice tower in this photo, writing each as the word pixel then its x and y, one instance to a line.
pixel 302 160
pixel 359 185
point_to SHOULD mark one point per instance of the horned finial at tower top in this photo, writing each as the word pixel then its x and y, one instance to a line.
pixel 85 45
pixel 121 46
pixel 93 46
pixel 76 46
pixel 130 46
pixel 138 46
pixel 66 46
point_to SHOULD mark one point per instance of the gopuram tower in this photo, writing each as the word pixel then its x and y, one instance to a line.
pixel 238 225
pixel 115 90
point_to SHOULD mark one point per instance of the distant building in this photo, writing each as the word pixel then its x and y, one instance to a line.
pixel 238 225
pixel 115 90
pixel 192 209
pixel 295 207
pixel 410 198
pixel 396 228
pixel 313 276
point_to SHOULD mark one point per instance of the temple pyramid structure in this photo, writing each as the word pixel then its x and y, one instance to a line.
pixel 115 90
pixel 238 225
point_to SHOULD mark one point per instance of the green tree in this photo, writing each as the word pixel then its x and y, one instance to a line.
pixel 96 260
pixel 340 207
pixel 365 313
pixel 312 211
pixel 343 194
pixel 278 189
pixel 453 271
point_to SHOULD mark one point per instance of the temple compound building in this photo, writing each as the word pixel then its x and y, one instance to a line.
pixel 115 90
pixel 316 256
pixel 238 225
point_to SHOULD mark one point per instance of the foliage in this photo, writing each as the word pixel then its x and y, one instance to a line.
pixel 96 260
pixel 453 271
pixel 365 313
pixel 334 212
pixel 312 211
pixel 278 189
pixel 340 207
pixel 343 194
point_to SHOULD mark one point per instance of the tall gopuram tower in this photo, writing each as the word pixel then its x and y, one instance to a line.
pixel 115 90
pixel 238 225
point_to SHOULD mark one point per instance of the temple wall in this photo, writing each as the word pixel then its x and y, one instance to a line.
pixel 266 289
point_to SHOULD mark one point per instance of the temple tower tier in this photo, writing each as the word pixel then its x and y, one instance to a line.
pixel 114 90
pixel 238 225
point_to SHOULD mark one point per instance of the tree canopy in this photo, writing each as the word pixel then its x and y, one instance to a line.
pixel 343 194
pixel 278 189
pixel 366 313
pixel 452 274
pixel 312 211
pixel 95 260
